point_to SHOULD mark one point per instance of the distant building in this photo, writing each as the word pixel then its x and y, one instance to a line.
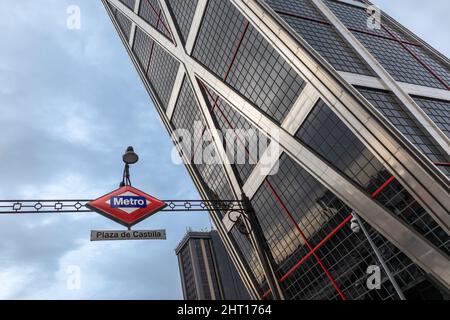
pixel 206 271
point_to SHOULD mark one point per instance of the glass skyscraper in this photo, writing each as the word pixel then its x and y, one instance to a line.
pixel 356 112
pixel 206 271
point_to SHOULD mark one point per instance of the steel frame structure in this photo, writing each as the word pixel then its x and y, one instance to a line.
pixel 391 148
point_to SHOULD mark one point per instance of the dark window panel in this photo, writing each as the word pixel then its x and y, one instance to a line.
pixel 329 44
pixel 299 7
pixel 399 201
pixel 282 237
pixel 247 253
pixel 398 61
pixel 157 64
pixel 218 36
pixel 357 18
pixel 438 111
pixel 405 122
pixel 314 209
pixel 129 3
pixel 348 256
pixel 122 21
pixel 151 12
pixel 142 48
pixel 438 68
pixel 353 17
pixel 237 53
pixel 124 24
pixel 162 73
pixel 329 137
pixel 184 11
pixel 186 114
pixel 403 269
pixel 188 273
pixel 249 140
pixel 307 282
pixel 263 77
pixel 111 7
pixel 311 25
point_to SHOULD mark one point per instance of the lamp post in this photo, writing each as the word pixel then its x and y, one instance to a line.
pixel 130 157
pixel 356 226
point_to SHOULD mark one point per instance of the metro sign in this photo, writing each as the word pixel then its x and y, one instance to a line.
pixel 127 206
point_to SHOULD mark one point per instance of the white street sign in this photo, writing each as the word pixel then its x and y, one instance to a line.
pixel 128 235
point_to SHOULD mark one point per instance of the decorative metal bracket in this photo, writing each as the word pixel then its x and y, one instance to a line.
pixel 79 206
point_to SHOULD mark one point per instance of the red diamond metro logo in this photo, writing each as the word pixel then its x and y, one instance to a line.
pixel 127 206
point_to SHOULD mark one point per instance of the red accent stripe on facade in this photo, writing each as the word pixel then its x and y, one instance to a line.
pixel 317 247
pixel 415 56
pixel 332 233
pixel 384 186
pixel 321 243
pixel 235 53
pixel 155 11
pixel 304 239
pixel 246 24
pixel 233 60
pixel 153 46
pixel 443 164
pixel 295 15
pixel 384 37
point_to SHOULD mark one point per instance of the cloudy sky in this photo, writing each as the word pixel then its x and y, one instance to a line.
pixel 71 103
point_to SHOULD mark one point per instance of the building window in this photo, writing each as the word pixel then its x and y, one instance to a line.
pixel 405 122
pixel 248 142
pixel 438 111
pixel 232 49
pixel 151 12
pixel 129 3
pixel 326 135
pixel 183 11
pixel 313 27
pixel 158 65
pixel 162 72
pixel 213 176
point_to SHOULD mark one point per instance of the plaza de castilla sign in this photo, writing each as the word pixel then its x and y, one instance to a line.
pixel 127 206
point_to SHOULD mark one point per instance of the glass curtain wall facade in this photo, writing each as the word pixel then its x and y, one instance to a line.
pixel 361 120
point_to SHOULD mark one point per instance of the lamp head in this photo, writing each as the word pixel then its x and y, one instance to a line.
pixel 130 157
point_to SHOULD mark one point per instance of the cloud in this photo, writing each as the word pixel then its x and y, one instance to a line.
pixel 71 104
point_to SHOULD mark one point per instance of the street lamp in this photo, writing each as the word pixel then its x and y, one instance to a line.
pixel 130 157
pixel 356 226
